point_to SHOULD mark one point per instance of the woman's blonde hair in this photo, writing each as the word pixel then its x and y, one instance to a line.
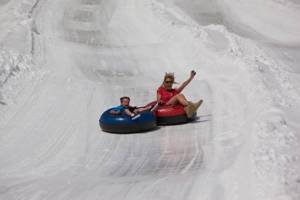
pixel 170 76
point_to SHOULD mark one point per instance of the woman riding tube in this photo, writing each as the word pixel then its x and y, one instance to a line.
pixel 167 95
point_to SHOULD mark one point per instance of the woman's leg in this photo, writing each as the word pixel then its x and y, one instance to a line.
pixel 179 98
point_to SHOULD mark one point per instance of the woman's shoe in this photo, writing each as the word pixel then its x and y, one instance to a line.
pixel 198 104
pixel 190 110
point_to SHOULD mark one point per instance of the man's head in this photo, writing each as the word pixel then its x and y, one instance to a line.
pixel 125 101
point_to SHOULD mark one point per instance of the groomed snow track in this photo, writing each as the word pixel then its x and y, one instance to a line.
pixel 90 53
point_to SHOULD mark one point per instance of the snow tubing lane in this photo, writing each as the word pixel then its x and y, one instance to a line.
pixel 123 123
pixel 171 115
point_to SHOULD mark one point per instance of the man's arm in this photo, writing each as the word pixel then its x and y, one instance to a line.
pixel 139 110
pixel 127 111
pixel 185 83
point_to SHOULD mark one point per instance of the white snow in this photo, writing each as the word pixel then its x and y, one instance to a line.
pixel 62 63
pixel 275 20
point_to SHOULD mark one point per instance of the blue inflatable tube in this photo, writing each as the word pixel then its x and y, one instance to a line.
pixel 123 123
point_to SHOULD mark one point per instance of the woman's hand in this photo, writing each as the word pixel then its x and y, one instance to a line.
pixel 185 83
pixel 160 102
pixel 193 73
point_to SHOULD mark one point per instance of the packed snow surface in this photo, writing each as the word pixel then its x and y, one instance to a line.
pixel 64 62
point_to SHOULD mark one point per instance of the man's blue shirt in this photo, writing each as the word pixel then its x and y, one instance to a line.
pixel 119 109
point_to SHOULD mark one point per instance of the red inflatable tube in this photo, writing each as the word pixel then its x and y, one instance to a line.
pixel 169 115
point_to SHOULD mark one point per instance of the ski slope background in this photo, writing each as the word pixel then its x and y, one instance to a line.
pixel 63 62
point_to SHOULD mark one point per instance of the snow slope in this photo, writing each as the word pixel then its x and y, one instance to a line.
pixel 85 54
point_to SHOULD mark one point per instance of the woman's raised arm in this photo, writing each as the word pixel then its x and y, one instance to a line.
pixel 185 83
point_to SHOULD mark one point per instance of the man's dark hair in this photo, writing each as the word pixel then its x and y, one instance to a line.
pixel 122 98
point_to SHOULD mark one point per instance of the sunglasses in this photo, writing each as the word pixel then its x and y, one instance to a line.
pixel 169 81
